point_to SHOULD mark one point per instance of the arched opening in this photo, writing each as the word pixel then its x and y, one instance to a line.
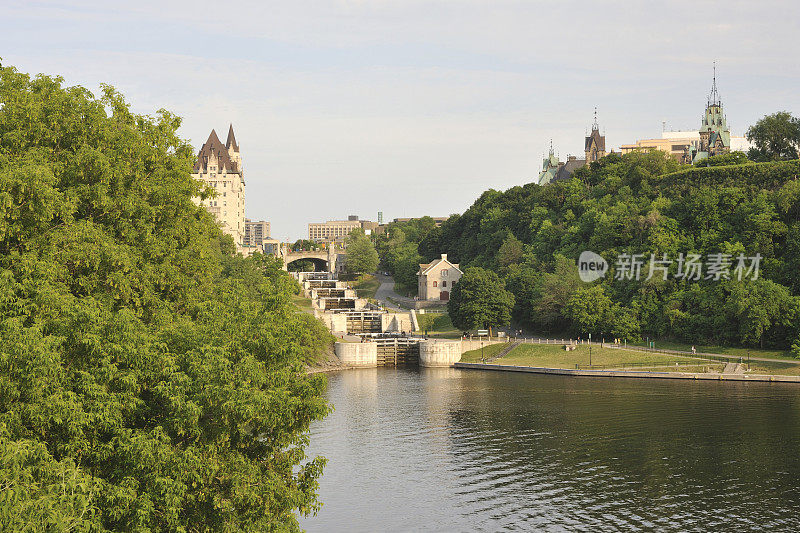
pixel 307 264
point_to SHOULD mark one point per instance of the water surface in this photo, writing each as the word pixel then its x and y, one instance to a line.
pixel 461 450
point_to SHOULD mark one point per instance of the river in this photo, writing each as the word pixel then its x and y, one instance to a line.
pixel 462 450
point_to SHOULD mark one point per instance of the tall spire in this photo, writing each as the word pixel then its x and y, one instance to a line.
pixel 713 98
pixel 595 126
pixel 231 141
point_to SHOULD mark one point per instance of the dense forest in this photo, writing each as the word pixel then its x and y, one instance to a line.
pixel 150 379
pixel 640 203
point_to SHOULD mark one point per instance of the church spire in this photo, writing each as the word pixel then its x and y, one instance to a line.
pixel 595 125
pixel 713 98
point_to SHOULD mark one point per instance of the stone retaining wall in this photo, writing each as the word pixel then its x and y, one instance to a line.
pixel 434 353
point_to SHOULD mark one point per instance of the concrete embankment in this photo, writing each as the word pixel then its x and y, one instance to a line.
pixel 630 374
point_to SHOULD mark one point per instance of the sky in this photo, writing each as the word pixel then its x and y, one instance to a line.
pixel 412 107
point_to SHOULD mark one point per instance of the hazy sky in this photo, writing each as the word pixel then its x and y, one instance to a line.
pixel 408 107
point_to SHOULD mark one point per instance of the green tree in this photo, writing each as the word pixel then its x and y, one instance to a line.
pixel 556 291
pixel 361 258
pixel 510 252
pixel 137 350
pixel 480 299
pixel 775 137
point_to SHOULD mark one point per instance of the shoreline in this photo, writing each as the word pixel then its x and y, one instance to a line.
pixel 695 376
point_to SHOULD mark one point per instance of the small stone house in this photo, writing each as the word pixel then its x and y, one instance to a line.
pixel 436 279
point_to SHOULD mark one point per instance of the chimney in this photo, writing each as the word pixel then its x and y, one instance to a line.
pixel 444 257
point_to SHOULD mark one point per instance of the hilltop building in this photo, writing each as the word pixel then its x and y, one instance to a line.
pixel 594 150
pixel 713 138
pixel 219 166
pixel 436 279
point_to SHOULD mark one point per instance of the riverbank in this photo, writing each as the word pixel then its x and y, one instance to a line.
pixel 703 376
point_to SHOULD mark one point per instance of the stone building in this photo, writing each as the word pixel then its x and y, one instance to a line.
pixel 436 279
pixel 715 136
pixel 219 166
pixel 594 150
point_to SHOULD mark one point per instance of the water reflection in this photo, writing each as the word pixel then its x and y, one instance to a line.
pixel 444 449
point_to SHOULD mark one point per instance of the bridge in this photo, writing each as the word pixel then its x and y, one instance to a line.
pixel 329 260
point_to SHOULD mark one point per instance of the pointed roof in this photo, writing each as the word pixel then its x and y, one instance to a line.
pixel 231 141
pixel 213 148
pixel 599 140
pixel 424 268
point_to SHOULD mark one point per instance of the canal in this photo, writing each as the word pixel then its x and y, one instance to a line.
pixel 460 450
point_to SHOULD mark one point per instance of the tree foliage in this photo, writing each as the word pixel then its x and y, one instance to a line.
pixel 361 258
pixel 480 299
pixel 642 203
pixel 775 137
pixel 150 379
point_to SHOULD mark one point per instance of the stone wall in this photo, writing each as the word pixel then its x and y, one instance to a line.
pixel 436 353
pixel 396 322
pixel 357 353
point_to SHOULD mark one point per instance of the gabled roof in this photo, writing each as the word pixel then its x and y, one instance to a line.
pixel 213 148
pixel 566 170
pixel 597 138
pixel 425 268
pixel 231 141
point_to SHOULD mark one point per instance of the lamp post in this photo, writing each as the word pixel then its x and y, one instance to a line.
pixel 590 356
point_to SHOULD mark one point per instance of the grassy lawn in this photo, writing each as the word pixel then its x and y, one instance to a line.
pixel 490 350
pixel 438 325
pixel 554 356
pixel 303 303
pixel 724 350
pixel 774 367
pixel 366 285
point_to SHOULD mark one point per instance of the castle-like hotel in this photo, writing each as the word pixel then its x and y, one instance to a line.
pixel 219 166
pixel 713 138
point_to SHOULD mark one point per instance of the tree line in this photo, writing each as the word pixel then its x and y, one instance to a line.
pixel 520 247
pixel 150 378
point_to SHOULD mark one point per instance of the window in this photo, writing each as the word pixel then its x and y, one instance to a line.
pixel 444 283
pixel 444 272
pixel 435 284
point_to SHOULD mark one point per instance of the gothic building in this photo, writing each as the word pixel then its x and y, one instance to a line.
pixel 219 166
pixel 715 136
pixel 594 150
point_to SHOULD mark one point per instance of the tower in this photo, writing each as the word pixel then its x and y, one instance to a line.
pixel 715 136
pixel 595 145
pixel 219 167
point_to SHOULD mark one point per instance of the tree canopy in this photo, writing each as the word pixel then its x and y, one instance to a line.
pixel 775 137
pixel 150 379
pixel 648 204
pixel 361 258
pixel 480 299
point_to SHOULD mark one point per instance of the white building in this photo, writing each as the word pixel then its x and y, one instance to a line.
pixel 219 166
pixel 436 279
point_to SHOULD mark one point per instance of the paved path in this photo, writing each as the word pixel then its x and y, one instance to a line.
pixel 386 291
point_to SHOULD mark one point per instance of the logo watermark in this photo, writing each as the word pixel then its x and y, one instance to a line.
pixel 591 266
pixel 693 267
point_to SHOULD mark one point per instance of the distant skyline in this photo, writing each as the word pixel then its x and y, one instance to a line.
pixel 408 107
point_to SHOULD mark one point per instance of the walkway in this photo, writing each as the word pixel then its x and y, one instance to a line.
pixel 386 291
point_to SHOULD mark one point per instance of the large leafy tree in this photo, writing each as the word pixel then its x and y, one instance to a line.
pixel 141 361
pixel 361 258
pixel 480 299
pixel 775 137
